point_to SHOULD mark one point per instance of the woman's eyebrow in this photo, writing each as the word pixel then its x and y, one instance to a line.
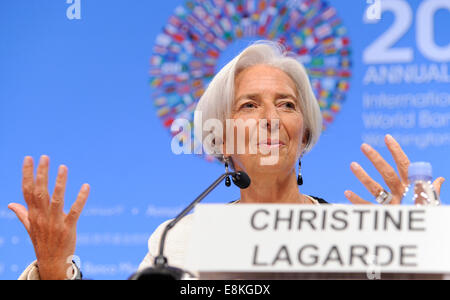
pixel 248 96
pixel 286 95
pixel 257 97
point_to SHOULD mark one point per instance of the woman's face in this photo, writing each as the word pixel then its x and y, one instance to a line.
pixel 268 96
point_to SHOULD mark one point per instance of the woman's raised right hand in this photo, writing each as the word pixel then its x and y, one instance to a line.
pixel 52 232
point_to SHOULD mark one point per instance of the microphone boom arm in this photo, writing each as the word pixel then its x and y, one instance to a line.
pixel 161 260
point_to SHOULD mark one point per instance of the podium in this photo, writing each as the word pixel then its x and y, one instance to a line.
pixel 319 276
pixel 333 242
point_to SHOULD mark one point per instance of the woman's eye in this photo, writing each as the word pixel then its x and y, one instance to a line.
pixel 289 105
pixel 248 105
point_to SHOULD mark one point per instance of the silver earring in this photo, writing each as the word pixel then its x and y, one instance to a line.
pixel 300 177
pixel 227 179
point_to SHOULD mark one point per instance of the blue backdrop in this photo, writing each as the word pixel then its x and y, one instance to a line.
pixel 78 90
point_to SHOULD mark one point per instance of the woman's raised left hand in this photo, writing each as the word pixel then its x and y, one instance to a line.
pixel 396 183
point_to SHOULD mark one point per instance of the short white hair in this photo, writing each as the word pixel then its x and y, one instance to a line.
pixel 217 101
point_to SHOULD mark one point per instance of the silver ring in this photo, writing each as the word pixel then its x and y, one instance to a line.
pixel 384 197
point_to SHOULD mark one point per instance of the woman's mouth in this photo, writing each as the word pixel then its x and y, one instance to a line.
pixel 271 144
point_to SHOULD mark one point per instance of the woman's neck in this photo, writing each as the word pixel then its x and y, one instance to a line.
pixel 273 189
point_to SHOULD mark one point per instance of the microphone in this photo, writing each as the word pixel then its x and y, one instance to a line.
pixel 161 269
pixel 241 180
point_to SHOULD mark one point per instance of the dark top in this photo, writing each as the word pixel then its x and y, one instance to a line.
pixel 320 200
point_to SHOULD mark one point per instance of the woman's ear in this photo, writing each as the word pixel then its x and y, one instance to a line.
pixel 306 138
pixel 224 147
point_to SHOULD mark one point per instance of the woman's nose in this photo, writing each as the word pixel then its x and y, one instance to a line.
pixel 271 118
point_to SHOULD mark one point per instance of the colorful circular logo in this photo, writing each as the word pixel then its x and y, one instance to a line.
pixel 188 49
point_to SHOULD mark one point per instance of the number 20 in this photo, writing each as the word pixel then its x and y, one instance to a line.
pixel 381 50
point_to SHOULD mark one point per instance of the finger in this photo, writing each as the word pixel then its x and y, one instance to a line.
pixel 371 185
pixel 41 195
pixel 21 213
pixel 386 171
pixel 400 158
pixel 355 199
pixel 77 207
pixel 57 204
pixel 28 180
pixel 438 184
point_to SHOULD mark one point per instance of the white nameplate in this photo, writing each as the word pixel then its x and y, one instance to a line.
pixel 325 238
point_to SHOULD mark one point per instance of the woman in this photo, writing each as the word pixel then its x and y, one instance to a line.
pixel 263 84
